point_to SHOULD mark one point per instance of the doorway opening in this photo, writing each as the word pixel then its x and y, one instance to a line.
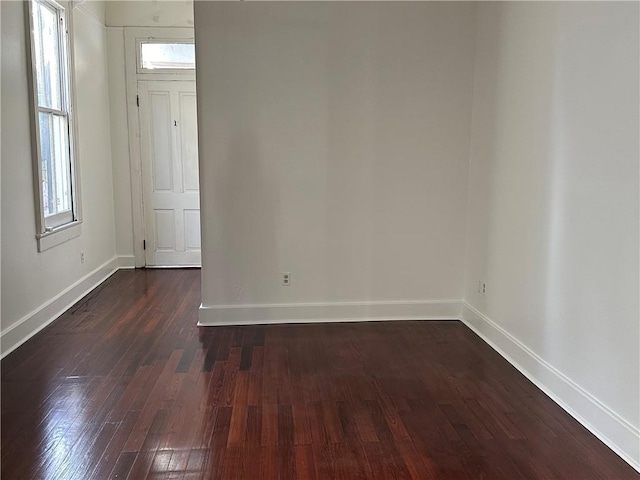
pixel 164 147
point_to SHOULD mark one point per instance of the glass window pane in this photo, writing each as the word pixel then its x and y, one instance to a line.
pixel 56 167
pixel 168 56
pixel 47 52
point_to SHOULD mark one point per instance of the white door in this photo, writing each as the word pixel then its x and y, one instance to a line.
pixel 169 148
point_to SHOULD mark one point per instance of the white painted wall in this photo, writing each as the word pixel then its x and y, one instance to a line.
pixel 553 199
pixel 150 13
pixel 333 145
pixel 37 278
pixel 120 144
pixel 96 9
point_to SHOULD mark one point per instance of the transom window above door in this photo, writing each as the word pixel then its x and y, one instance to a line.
pixel 165 56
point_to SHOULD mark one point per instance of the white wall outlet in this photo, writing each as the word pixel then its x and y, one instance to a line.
pixel 484 288
pixel 81 257
pixel 286 279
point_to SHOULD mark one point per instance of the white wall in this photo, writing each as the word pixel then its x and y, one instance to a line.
pixel 334 145
pixel 150 13
pixel 96 9
pixel 120 144
pixel 40 278
pixel 553 202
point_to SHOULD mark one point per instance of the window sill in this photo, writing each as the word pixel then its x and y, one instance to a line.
pixel 59 235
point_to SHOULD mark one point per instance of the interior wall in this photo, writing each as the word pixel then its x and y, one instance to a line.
pixel 333 145
pixel 96 9
pixel 150 13
pixel 120 145
pixel 553 200
pixel 37 279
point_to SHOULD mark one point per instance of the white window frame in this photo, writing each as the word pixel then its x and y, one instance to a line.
pixel 58 228
pixel 141 69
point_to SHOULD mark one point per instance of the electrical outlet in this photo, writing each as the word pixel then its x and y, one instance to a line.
pixel 484 288
pixel 81 257
pixel 286 279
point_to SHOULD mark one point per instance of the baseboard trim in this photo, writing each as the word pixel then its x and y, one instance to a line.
pixel 328 312
pixel 32 323
pixel 613 430
pixel 126 261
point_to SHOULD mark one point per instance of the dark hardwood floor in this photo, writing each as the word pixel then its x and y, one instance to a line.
pixel 124 385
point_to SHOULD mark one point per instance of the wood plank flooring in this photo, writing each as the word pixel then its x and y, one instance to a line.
pixel 124 385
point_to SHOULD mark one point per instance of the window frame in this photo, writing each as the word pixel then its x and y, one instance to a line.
pixel 60 227
pixel 141 70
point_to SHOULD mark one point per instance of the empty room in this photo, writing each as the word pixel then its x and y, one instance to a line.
pixel 320 240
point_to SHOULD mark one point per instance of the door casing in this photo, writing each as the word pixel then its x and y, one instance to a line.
pixel 132 36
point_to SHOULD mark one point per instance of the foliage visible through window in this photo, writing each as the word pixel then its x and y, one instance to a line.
pixel 167 56
pixel 52 102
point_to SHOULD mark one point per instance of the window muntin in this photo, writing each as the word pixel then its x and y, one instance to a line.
pixel 167 55
pixel 51 68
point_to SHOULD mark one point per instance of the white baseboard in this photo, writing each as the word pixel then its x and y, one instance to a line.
pixel 329 312
pixel 25 328
pixel 126 261
pixel 613 430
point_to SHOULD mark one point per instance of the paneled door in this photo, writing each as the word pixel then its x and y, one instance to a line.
pixel 169 150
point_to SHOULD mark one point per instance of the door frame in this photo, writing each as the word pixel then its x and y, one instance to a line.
pixel 132 37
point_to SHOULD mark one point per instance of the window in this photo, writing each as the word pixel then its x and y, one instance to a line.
pixel 55 170
pixel 165 55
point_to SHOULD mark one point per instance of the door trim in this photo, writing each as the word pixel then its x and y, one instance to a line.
pixel 131 36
